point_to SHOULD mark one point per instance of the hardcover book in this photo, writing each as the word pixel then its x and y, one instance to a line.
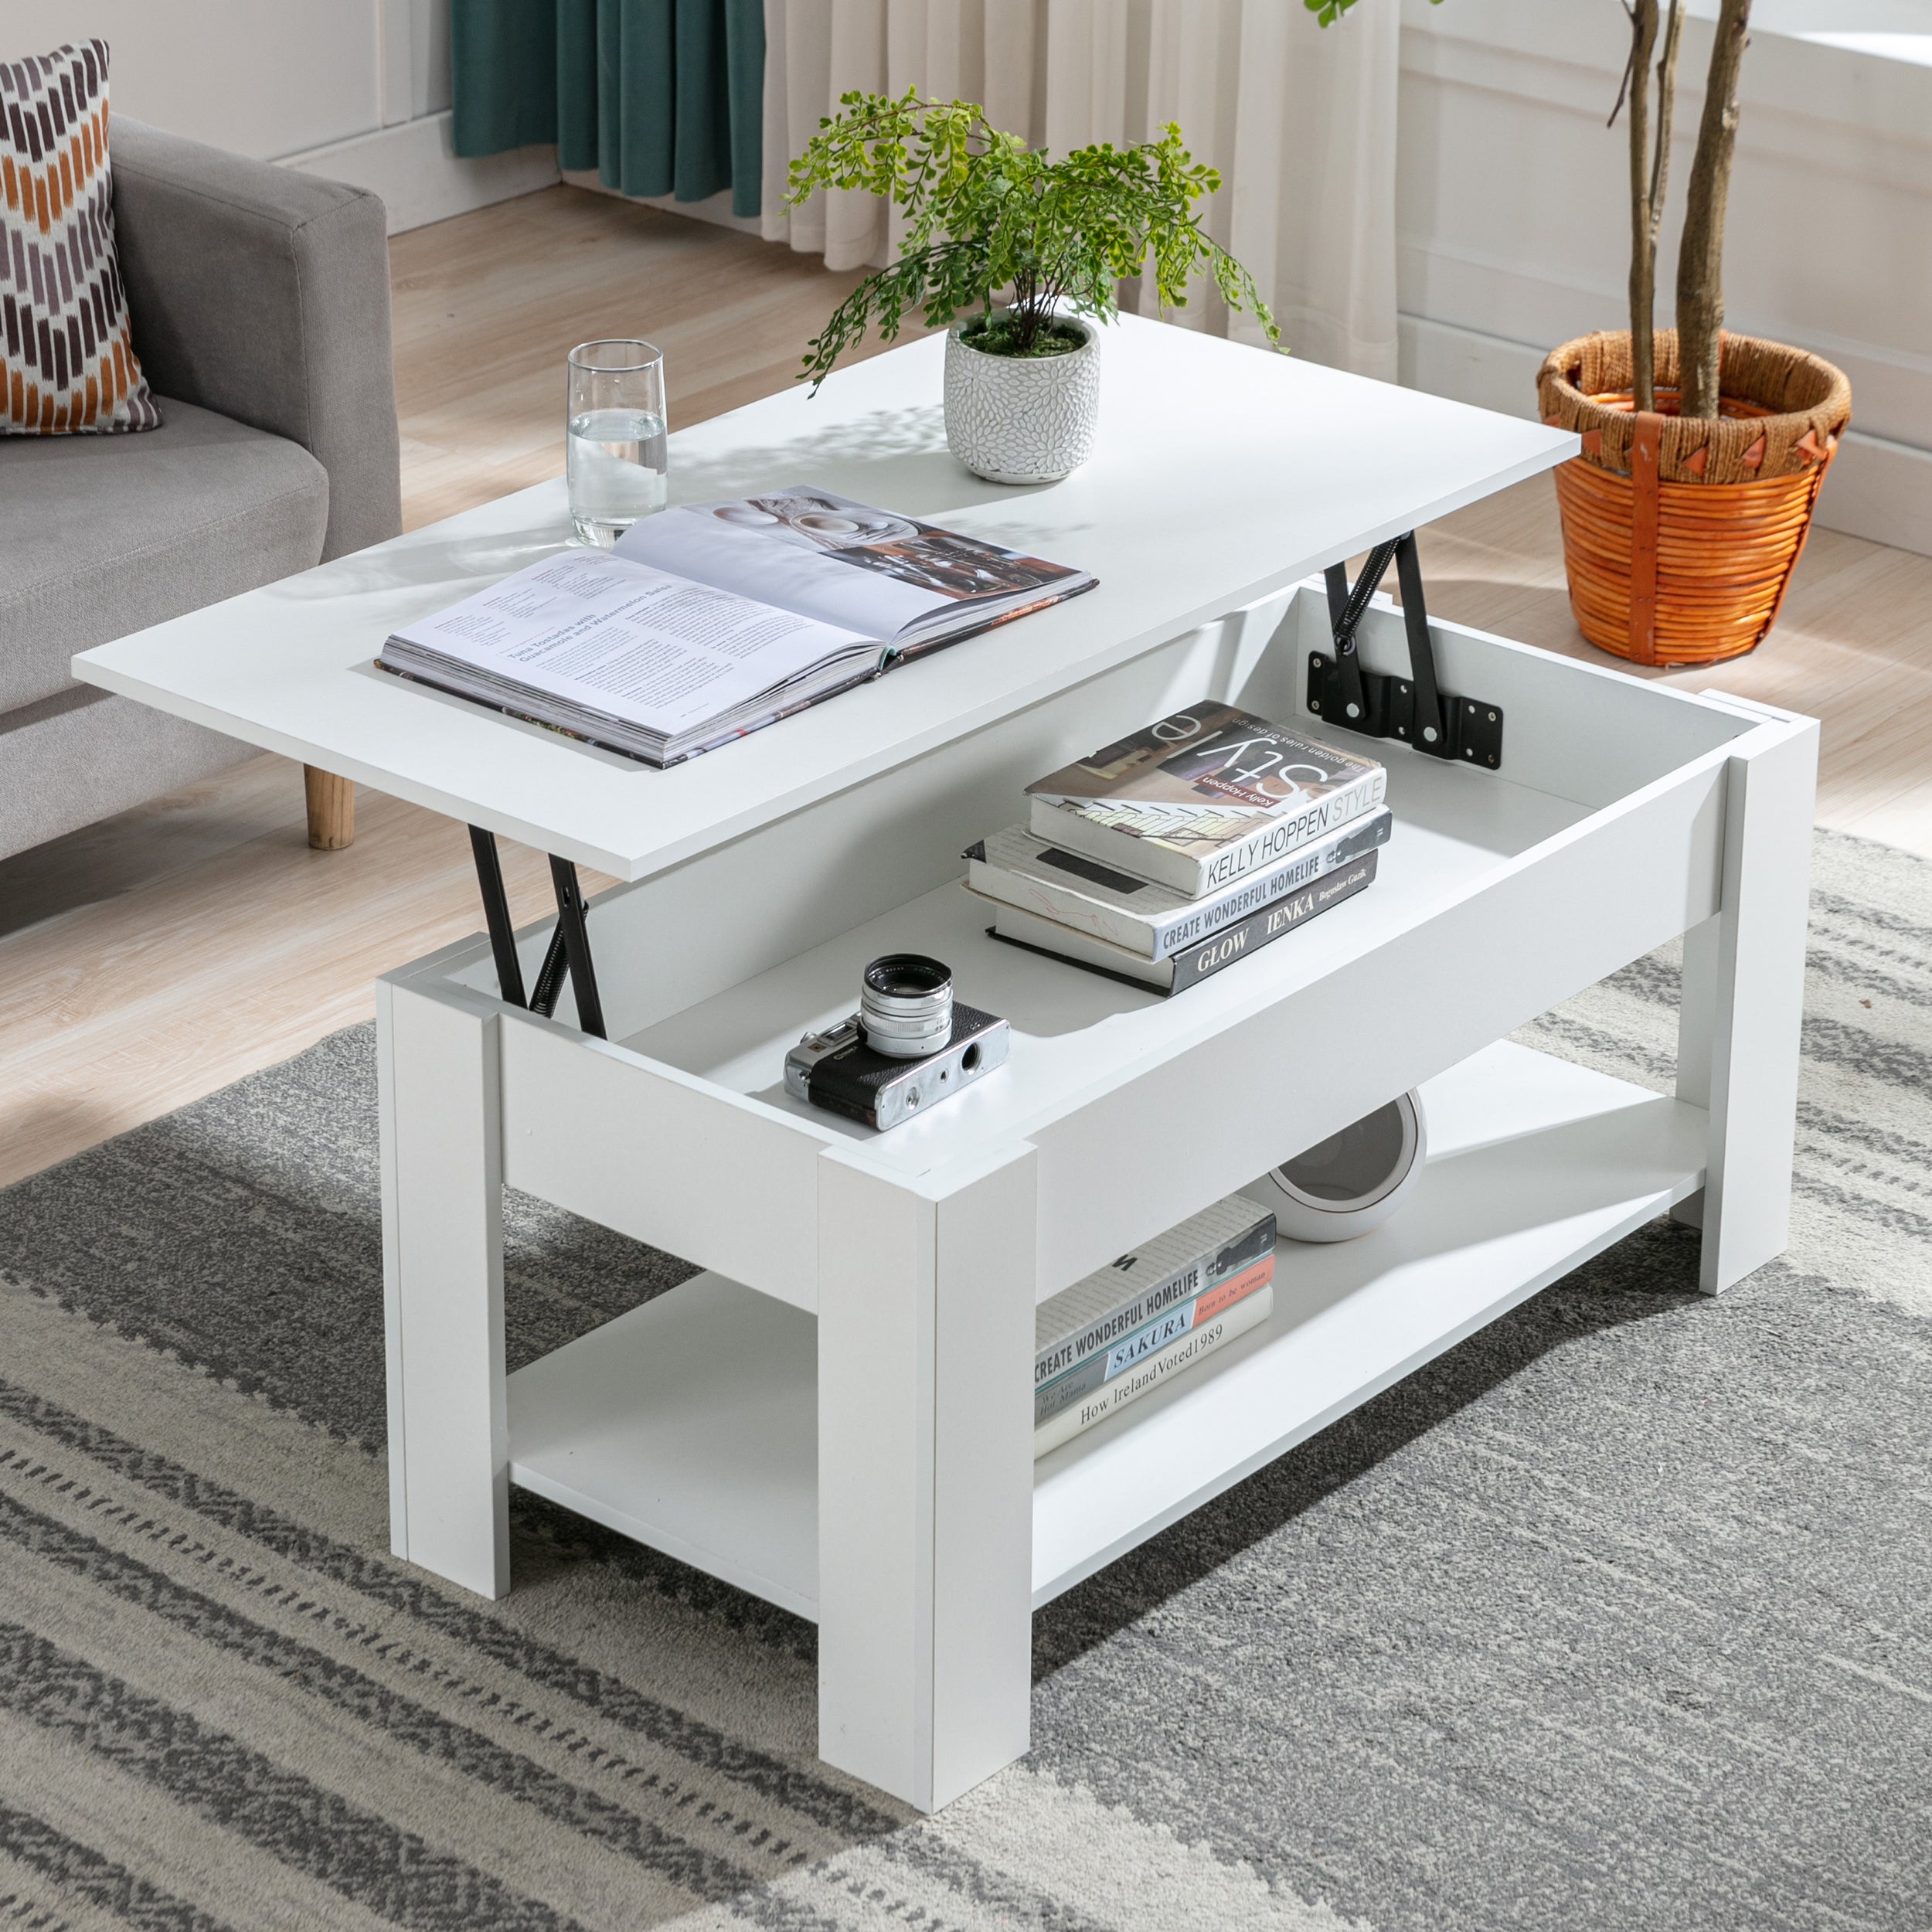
pixel 1203 797
pixel 1173 1359
pixel 1193 964
pixel 1203 1254
pixel 1142 1344
pixel 711 619
pixel 1153 921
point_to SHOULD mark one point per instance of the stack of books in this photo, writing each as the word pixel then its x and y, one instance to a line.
pixel 1130 1326
pixel 1171 854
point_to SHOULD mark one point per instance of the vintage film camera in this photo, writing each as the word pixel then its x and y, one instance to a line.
pixel 910 1045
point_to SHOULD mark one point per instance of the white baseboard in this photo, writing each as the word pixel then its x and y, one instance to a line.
pixel 414 167
pixel 1489 371
pixel 1879 490
pixel 716 208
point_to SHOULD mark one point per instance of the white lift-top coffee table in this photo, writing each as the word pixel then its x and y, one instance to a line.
pixel 836 1415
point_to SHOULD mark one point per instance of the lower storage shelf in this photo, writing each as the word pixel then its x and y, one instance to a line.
pixel 690 1424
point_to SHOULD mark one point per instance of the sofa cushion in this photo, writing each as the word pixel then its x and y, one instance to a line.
pixel 264 293
pixel 66 362
pixel 105 535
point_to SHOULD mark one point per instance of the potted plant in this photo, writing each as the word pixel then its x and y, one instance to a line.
pixel 987 215
pixel 1702 452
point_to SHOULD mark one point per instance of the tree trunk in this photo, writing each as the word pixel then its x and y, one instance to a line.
pixel 1666 111
pixel 1642 250
pixel 1700 257
pixel 1649 174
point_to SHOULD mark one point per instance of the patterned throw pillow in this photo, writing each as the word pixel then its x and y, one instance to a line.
pixel 66 358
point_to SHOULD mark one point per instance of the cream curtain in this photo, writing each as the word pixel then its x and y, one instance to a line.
pixel 1300 120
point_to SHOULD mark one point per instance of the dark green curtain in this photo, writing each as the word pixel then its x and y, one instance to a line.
pixel 660 97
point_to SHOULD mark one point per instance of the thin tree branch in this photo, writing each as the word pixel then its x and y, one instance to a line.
pixel 1643 251
pixel 1630 66
pixel 1666 104
pixel 1700 257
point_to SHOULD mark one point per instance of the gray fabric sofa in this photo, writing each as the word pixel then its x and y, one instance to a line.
pixel 259 302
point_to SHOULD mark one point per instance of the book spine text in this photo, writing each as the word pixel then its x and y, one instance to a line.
pixel 1184 1281
pixel 1148 1340
pixel 1284 835
pixel 1272 922
pixel 1184 928
pixel 1173 1359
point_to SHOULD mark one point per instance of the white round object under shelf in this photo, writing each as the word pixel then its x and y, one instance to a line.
pixel 1354 1181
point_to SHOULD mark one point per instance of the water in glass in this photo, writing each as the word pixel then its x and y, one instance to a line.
pixel 617 470
pixel 616 456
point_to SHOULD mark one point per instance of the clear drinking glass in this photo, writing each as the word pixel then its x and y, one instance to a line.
pixel 618 464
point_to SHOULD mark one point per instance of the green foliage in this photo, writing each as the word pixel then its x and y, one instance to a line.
pixel 1003 333
pixel 986 213
pixel 1328 12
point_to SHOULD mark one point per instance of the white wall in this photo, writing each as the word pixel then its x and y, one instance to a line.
pixel 1513 221
pixel 1511 213
pixel 357 90
pixel 262 77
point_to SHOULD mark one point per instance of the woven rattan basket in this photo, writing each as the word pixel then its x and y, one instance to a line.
pixel 1680 537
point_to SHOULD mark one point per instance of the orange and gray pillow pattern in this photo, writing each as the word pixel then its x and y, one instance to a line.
pixel 67 359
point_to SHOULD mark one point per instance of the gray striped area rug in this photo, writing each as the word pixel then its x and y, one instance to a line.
pixel 1616 1616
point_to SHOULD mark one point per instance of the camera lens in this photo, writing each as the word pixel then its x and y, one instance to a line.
pixel 906 1005
pixel 908 976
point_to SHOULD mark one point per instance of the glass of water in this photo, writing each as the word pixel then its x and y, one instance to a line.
pixel 617 463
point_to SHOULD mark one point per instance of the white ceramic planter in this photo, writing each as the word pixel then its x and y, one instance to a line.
pixel 1021 419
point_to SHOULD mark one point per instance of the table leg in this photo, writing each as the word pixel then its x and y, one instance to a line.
pixel 1743 994
pixel 442 1160
pixel 925 1476
pixel 332 809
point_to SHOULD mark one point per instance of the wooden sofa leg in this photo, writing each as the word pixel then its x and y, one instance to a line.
pixel 332 809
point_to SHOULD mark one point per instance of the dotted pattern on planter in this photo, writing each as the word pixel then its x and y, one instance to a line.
pixel 1021 420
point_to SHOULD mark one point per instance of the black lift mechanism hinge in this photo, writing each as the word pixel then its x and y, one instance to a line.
pixel 1467 730
pixel 570 947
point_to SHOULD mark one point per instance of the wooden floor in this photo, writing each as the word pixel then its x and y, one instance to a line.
pixel 157 956
pixel 487 307
pixel 1853 647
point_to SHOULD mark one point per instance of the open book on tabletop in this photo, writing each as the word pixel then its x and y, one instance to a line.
pixel 712 620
